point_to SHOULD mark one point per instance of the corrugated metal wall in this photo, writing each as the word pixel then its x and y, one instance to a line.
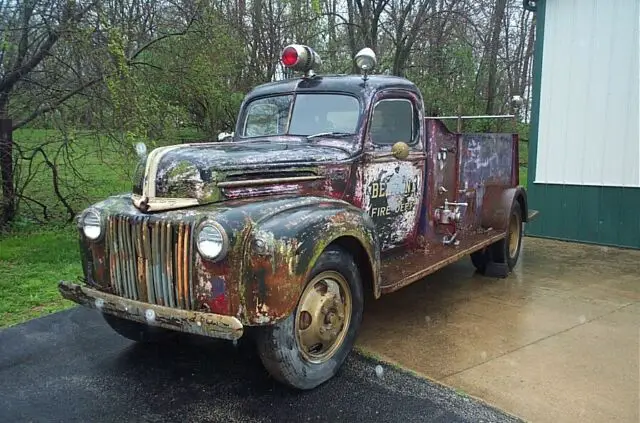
pixel 584 155
pixel 588 125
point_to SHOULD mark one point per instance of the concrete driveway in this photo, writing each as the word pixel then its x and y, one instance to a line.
pixel 557 341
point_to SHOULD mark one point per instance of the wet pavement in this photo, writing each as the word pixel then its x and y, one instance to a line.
pixel 557 341
pixel 71 366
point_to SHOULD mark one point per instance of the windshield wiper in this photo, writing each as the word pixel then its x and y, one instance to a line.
pixel 330 134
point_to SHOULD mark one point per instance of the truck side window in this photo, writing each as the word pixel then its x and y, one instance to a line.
pixel 392 121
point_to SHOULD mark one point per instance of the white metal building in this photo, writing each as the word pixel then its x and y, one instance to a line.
pixel 584 154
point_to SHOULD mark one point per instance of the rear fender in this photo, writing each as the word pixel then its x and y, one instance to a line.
pixel 497 202
pixel 282 249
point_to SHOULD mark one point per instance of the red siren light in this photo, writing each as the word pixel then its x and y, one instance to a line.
pixel 289 56
pixel 301 58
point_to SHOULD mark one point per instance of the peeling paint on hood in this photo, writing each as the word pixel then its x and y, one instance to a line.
pixel 184 175
pixel 232 155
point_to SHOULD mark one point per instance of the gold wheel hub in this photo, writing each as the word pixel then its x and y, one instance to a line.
pixel 514 235
pixel 323 316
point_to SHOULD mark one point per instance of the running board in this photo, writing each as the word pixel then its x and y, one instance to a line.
pixel 400 270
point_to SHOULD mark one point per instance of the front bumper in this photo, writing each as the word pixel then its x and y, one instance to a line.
pixel 195 322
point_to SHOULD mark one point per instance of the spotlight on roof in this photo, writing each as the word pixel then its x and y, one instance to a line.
pixel 365 61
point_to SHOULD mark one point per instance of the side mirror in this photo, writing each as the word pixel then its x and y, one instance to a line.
pixel 225 136
pixel 400 150
pixel 141 150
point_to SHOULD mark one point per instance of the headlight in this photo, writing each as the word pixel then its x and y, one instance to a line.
pixel 212 241
pixel 92 225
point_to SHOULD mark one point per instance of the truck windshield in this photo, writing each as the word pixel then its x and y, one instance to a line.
pixel 302 114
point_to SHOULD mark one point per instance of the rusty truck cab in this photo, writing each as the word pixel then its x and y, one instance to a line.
pixel 381 111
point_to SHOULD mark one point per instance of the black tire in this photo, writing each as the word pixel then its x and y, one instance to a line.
pixel 481 259
pixel 279 347
pixel 135 331
pixel 501 251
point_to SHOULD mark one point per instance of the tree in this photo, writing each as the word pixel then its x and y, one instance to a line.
pixel 57 52
pixel 32 29
pixel 122 71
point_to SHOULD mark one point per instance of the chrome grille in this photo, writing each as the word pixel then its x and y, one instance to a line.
pixel 150 261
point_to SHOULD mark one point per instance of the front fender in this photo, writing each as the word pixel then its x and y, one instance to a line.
pixel 282 249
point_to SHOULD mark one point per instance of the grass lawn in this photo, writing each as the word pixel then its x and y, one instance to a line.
pixel 32 263
pixel 33 259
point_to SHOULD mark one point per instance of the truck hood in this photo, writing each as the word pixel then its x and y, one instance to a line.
pixel 190 174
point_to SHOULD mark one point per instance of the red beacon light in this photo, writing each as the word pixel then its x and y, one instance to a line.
pixel 300 58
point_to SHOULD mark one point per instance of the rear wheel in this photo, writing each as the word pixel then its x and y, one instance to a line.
pixel 309 347
pixel 507 250
pixel 481 259
pixel 136 331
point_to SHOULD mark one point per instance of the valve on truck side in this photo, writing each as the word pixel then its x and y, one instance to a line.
pixel 449 215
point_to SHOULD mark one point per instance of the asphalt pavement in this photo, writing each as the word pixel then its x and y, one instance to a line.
pixel 70 366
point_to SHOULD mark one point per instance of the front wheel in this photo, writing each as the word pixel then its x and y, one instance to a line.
pixel 309 347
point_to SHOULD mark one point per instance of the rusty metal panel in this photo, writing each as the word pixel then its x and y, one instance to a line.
pixel 117 249
pixel 191 242
pixel 441 178
pixel 151 260
pixel 165 280
pixel 207 324
pixel 140 262
pixel 168 262
pixel 130 259
pixel 486 159
pixel 443 149
pixel 391 197
pixel 253 288
pixel 161 278
pixel 146 251
pixel 410 266
pixel 185 271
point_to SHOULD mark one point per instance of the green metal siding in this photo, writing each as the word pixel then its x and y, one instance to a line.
pixel 590 214
pixel 599 215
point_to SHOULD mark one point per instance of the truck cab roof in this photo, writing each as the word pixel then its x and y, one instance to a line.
pixel 351 84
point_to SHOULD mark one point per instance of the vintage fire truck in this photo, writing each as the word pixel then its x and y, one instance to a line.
pixel 331 187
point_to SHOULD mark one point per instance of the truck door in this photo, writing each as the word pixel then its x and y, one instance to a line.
pixel 392 188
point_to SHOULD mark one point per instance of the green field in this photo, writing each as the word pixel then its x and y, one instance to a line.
pixel 34 257
pixel 33 261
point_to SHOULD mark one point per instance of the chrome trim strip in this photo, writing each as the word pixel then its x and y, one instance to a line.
pixel 267 181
